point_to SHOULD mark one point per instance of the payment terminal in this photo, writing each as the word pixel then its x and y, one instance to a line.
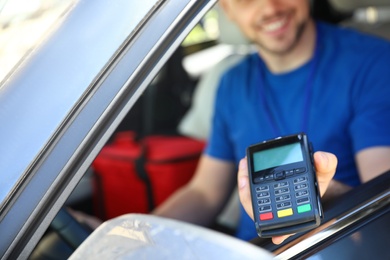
pixel 284 188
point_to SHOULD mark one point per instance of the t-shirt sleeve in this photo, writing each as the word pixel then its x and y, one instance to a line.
pixel 370 124
pixel 219 144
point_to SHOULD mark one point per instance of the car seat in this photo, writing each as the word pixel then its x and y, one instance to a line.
pixel 232 48
pixel 370 16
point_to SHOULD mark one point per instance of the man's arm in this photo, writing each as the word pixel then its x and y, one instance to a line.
pixel 335 189
pixel 371 162
pixel 201 200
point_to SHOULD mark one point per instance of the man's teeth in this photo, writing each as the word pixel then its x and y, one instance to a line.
pixel 274 26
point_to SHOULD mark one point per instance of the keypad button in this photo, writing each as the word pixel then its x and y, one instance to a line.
pixel 285 213
pixel 259 179
pixel 283 205
pixel 304 208
pixel 289 172
pixel 301 193
pixel 299 170
pixel 266 216
pixel 280 176
pixel 263 201
pixel 282 198
pixel 303 200
pixel 281 184
pixel 299 180
pixel 300 186
pixel 262 194
pixel 269 177
pixel 262 188
pixel 265 208
pixel 282 191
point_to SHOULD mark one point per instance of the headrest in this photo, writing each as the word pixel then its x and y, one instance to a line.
pixel 351 5
pixel 229 33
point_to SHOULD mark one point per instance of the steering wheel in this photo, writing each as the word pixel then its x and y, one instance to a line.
pixel 64 235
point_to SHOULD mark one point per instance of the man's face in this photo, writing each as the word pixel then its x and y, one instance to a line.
pixel 274 25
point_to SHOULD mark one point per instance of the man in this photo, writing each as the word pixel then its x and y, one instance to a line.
pixel 307 76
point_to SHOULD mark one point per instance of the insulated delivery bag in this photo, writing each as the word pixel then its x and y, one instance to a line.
pixel 135 176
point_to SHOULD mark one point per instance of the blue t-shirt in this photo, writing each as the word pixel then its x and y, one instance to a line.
pixel 343 108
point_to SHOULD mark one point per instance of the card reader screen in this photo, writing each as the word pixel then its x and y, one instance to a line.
pixel 277 156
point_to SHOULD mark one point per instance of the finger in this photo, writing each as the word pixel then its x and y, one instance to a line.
pixel 279 239
pixel 245 196
pixel 89 220
pixel 325 164
pixel 243 187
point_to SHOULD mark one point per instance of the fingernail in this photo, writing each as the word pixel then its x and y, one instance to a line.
pixel 324 159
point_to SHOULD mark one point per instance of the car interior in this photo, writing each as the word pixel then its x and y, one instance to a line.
pixel 179 103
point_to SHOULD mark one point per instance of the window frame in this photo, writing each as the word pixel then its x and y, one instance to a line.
pixel 65 155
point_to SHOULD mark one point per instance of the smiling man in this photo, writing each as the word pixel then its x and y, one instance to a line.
pixel 283 30
pixel 307 76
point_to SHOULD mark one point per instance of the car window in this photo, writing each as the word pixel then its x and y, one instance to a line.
pixel 43 19
pixel 62 101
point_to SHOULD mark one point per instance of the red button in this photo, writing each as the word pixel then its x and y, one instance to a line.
pixel 266 216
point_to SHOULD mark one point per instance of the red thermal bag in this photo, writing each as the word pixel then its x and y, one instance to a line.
pixel 134 176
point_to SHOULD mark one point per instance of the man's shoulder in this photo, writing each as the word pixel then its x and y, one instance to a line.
pixel 352 39
pixel 237 80
pixel 242 68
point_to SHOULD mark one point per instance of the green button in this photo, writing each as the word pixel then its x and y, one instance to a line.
pixel 304 208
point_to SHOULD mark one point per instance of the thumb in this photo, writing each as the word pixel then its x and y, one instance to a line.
pixel 243 187
pixel 325 164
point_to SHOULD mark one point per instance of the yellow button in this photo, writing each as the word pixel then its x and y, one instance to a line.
pixel 285 213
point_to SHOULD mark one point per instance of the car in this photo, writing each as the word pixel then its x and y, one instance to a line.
pixel 76 86
pixel 68 94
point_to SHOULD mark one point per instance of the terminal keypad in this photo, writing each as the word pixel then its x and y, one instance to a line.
pixel 291 194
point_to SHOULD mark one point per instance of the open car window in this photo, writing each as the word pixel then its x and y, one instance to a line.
pixel 62 102
pixel 73 84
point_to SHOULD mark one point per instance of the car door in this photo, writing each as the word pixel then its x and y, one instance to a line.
pixel 61 103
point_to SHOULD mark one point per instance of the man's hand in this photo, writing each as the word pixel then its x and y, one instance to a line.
pixel 325 164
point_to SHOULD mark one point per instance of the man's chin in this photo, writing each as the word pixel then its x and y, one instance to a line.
pixel 277 49
pixel 281 46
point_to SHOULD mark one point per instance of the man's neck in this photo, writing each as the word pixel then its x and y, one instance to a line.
pixel 296 57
